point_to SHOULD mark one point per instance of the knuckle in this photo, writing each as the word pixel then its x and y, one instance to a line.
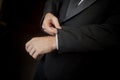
pixel 55 18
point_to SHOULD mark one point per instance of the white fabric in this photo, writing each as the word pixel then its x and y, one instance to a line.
pixel 80 2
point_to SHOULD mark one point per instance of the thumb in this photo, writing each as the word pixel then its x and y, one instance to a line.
pixel 56 23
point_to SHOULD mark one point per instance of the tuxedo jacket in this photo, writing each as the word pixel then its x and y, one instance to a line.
pixel 88 41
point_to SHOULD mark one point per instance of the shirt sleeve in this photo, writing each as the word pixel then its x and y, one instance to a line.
pixel 57 41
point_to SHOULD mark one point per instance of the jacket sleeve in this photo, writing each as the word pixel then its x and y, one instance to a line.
pixel 93 37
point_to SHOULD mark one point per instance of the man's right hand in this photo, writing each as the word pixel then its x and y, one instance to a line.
pixel 50 24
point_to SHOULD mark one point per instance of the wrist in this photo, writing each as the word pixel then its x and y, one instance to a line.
pixel 53 42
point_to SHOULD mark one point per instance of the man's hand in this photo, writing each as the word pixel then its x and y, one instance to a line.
pixel 40 45
pixel 50 24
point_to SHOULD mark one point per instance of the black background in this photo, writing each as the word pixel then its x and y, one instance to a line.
pixel 23 22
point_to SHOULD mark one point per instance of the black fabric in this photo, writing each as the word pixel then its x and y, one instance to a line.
pixel 40 75
pixel 88 41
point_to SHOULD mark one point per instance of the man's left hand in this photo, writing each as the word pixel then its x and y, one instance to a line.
pixel 40 45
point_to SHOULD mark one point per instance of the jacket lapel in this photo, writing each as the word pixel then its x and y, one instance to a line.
pixel 77 9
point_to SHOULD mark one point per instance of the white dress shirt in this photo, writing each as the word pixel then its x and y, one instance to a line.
pixel 80 2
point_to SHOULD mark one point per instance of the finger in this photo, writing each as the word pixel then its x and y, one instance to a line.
pixel 56 23
pixel 48 29
pixel 32 51
pixel 35 55
pixel 29 48
pixel 51 26
pixel 51 31
pixel 46 24
pixel 43 27
pixel 27 45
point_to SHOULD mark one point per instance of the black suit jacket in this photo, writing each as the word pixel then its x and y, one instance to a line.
pixel 89 33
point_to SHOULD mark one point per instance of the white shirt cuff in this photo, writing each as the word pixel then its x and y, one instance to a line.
pixel 56 41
